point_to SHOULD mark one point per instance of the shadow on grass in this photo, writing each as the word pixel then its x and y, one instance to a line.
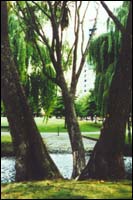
pixel 61 189
pixel 35 191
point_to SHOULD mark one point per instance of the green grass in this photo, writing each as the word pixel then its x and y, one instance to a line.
pixel 53 125
pixel 61 189
pixel 6 139
pixel 4 121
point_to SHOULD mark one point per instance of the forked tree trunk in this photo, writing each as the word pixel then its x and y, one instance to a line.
pixel 32 159
pixel 106 161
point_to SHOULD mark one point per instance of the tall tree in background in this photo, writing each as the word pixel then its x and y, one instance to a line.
pixel 57 13
pixel 32 159
pixel 106 161
pixel 40 91
pixel 104 60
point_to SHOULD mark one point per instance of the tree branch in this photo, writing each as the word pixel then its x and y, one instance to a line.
pixel 77 20
pixel 54 80
pixel 66 63
pixel 40 8
pixel 82 24
pixel 113 17
pixel 43 37
pixel 60 21
pixel 35 27
pixel 86 49
pixel 55 34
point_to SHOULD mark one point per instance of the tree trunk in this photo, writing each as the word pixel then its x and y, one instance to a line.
pixel 129 130
pixel 74 132
pixel 32 159
pixel 106 161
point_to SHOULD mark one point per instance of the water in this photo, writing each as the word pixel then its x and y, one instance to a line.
pixel 63 162
pixel 7 169
pixel 128 167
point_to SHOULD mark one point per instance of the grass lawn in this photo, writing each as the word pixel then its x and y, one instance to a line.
pixel 53 125
pixel 62 189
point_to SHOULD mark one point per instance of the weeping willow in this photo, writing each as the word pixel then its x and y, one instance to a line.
pixel 25 43
pixel 40 91
pixel 103 54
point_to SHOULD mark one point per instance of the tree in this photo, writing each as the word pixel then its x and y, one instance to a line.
pixel 59 110
pixel 106 161
pixel 105 59
pixel 32 159
pixel 81 106
pixel 39 90
pixel 92 107
pixel 57 13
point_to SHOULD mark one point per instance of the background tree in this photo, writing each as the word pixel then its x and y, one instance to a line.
pixel 81 107
pixel 104 61
pixel 32 159
pixel 92 107
pixel 40 91
pixel 106 161
pixel 57 14
pixel 59 110
pixel 86 106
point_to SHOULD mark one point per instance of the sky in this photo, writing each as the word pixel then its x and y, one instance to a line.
pixel 89 20
pixel 103 16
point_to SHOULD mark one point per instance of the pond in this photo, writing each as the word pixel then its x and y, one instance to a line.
pixel 63 162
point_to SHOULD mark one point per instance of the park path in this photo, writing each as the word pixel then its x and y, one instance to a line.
pixel 61 143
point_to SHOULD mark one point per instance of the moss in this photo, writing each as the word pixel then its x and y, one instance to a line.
pixel 59 189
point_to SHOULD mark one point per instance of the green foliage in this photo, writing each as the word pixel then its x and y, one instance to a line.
pixel 59 110
pixel 40 91
pixel 26 20
pixel 17 44
pixel 86 105
pixel 81 106
pixel 103 54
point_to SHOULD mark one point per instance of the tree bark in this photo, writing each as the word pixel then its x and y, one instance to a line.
pixel 129 130
pixel 106 161
pixel 74 132
pixel 32 159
